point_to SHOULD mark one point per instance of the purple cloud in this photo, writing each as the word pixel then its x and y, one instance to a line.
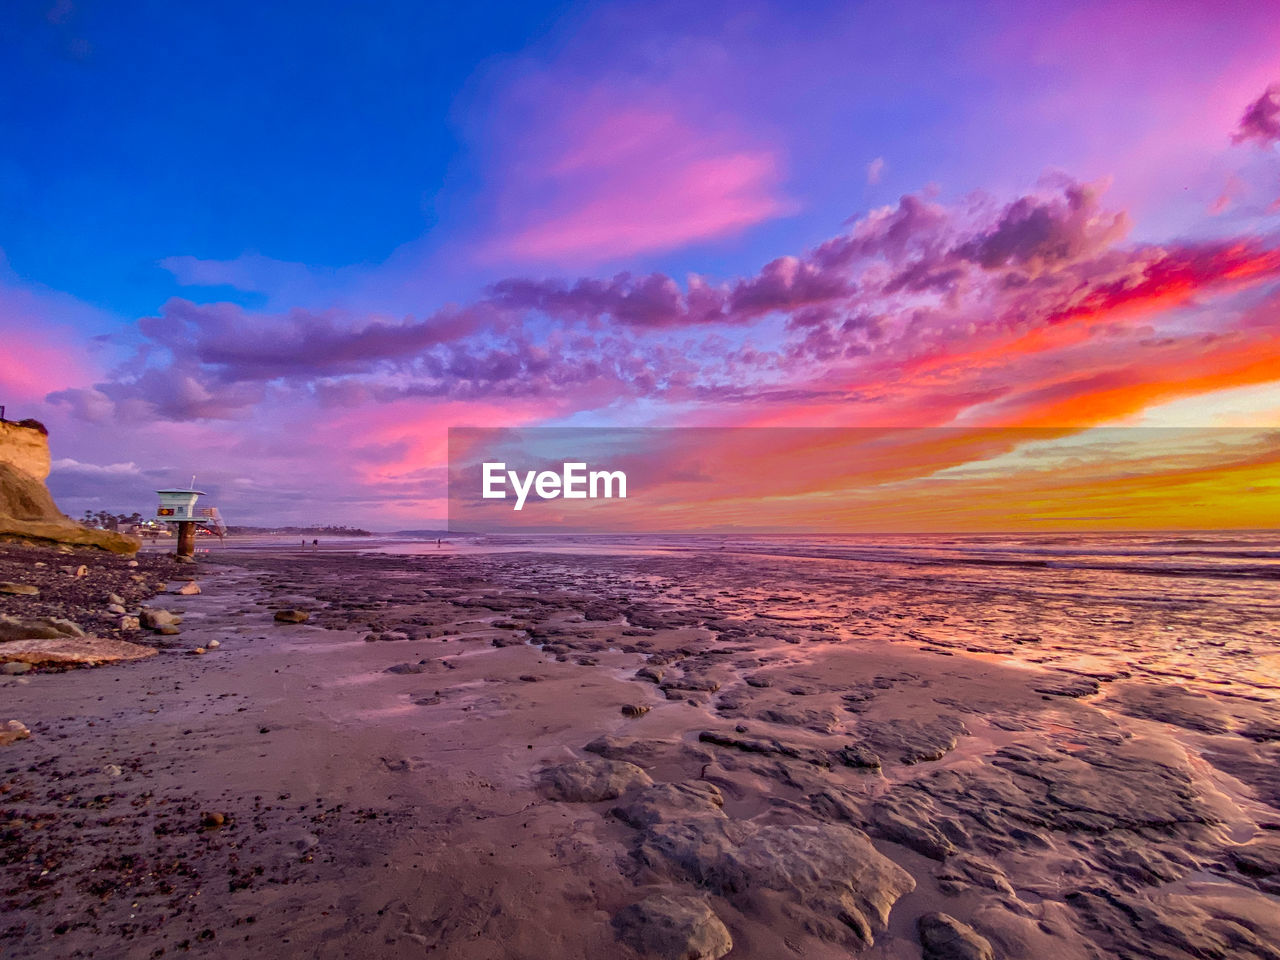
pixel 1261 120
pixel 900 286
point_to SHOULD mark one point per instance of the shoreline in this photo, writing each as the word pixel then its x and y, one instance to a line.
pixel 462 801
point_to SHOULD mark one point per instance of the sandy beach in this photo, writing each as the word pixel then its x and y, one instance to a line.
pixel 659 752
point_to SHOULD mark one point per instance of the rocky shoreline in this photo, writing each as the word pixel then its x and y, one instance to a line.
pixel 62 607
pixel 525 755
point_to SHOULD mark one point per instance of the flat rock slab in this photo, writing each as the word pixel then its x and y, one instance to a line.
pixel 72 651
pixel 820 719
pixel 673 928
pixel 37 628
pixel 944 937
pixel 1065 685
pixel 664 802
pixel 588 781
pixel 911 740
pixel 11 731
pixel 834 880
pixel 1171 704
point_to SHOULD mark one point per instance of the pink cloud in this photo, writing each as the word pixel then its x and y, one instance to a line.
pixel 615 182
pixel 1261 121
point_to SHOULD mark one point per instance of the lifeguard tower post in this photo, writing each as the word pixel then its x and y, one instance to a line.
pixel 179 507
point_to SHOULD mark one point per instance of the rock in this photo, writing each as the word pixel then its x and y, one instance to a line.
pixel 15 669
pixel 115 597
pixel 212 820
pixel 1065 685
pixel 665 802
pixel 1255 764
pixel 168 631
pixel 1263 731
pixel 819 719
pixel 1258 858
pixel 388 636
pixel 1116 786
pixel 12 732
pixel 858 757
pixel 154 619
pixel 213 644
pixel 419 667
pixel 911 820
pixel 634 710
pixel 188 589
pixel 913 741
pixel 1169 703
pixel 292 616
pixel 116 608
pixel 588 781
pixel 128 624
pixel 688 683
pixel 111 770
pixel 1257 863
pixel 945 938
pixel 652 674
pixel 964 871
pixel 132 563
pixel 837 884
pixel 1135 926
pixel 673 928
pixel 199 651
pixel 72 651
pixel 19 589
pixel 37 628
pixel 74 571
pixel 820 758
pixel 633 749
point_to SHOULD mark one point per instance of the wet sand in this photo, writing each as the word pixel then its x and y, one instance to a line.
pixel 501 755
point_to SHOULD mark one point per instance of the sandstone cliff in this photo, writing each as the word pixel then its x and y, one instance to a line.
pixel 27 510
pixel 24 444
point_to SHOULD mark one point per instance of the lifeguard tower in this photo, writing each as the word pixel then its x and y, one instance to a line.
pixel 179 507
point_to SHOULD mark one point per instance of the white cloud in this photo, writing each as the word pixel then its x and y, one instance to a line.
pixel 113 470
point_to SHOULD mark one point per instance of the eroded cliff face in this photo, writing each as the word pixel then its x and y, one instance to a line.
pixel 26 447
pixel 27 509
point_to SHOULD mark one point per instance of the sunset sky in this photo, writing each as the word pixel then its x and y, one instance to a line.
pixel 284 247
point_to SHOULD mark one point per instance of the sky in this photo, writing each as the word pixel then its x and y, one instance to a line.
pixel 284 247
